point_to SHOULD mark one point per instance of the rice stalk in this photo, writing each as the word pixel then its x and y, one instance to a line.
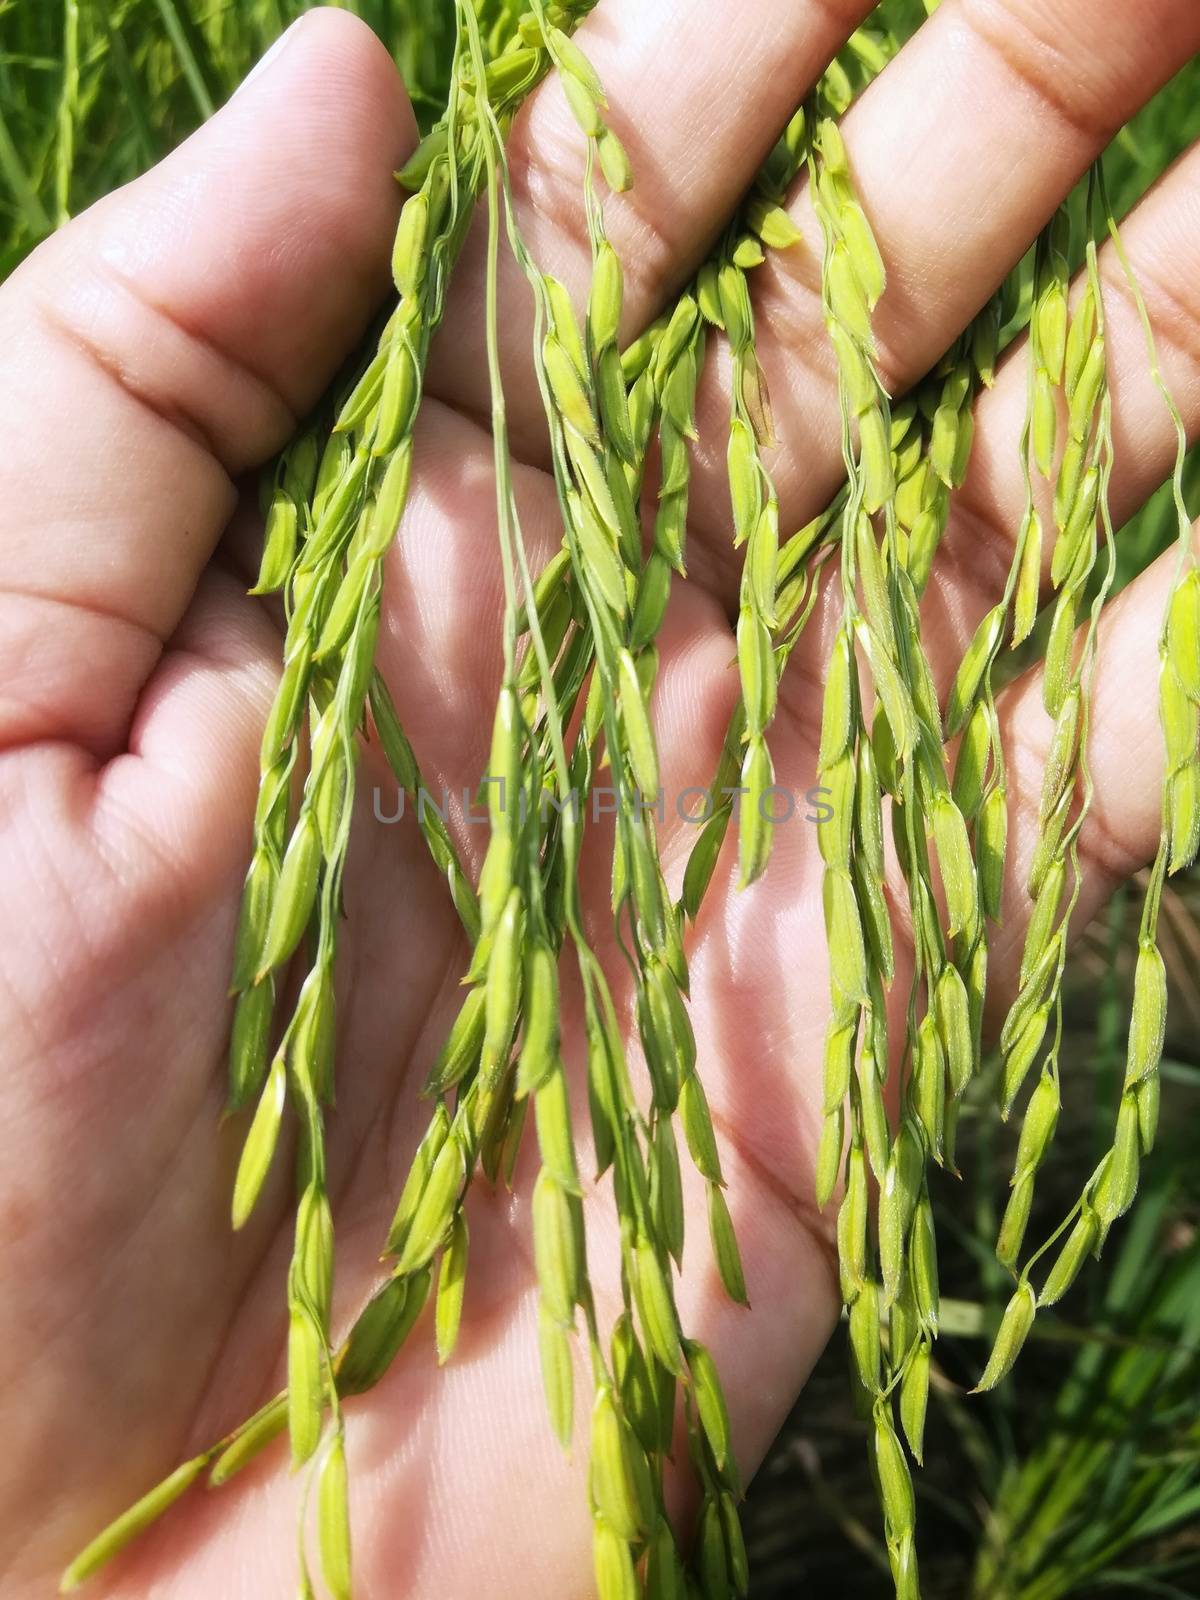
pixel 623 1139
pixel 178 31
pixel 1111 1189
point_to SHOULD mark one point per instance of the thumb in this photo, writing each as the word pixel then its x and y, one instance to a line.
pixel 167 340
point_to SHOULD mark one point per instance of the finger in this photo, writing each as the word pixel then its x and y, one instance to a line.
pixel 167 339
pixel 1125 751
pixel 698 99
pixel 1162 239
pixel 999 106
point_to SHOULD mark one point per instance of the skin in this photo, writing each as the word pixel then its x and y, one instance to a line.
pixel 160 348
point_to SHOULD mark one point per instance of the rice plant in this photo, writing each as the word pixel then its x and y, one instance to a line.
pixel 917 872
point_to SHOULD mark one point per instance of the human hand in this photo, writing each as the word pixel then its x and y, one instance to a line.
pixel 162 346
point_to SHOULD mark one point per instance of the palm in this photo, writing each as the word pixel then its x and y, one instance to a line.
pixel 129 1303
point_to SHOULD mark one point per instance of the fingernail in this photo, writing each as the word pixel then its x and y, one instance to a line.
pixel 272 55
